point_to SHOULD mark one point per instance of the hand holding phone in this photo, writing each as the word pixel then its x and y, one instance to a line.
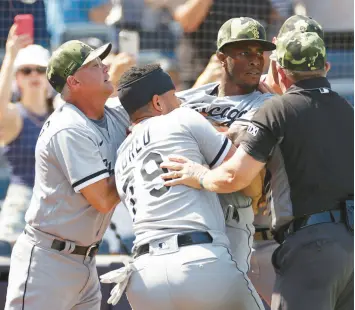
pixel 20 35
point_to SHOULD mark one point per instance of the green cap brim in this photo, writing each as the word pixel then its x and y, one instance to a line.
pixel 100 52
pixel 266 45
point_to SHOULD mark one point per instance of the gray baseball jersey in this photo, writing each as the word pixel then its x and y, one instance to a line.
pixel 159 211
pixel 73 152
pixel 224 110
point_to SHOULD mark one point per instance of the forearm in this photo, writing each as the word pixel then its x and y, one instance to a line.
pixel 112 198
pixel 102 195
pixel 99 14
pixel 191 14
pixel 222 180
pixel 6 77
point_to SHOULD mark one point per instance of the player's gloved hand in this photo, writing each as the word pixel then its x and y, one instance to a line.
pixel 121 277
pixel 182 171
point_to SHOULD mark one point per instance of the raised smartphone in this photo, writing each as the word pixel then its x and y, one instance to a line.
pixel 128 42
pixel 24 24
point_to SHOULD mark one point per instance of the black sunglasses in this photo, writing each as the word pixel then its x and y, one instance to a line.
pixel 28 70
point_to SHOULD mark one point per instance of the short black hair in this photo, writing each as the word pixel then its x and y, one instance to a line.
pixel 136 73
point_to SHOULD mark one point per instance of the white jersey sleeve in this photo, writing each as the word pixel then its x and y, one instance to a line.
pixel 79 158
pixel 213 145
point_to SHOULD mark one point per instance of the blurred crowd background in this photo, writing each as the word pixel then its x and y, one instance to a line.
pixel 178 34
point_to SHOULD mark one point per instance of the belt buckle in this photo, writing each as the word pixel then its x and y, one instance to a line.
pixel 93 247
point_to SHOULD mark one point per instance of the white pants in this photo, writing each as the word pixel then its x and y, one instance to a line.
pixel 43 278
pixel 12 215
pixel 241 235
pixel 195 277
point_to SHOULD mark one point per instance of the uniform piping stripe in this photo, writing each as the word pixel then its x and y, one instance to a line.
pixel 246 280
pixel 250 242
pixel 28 274
pixel 94 175
pixel 225 143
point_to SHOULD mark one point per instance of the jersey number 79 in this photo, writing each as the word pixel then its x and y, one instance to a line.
pixel 150 171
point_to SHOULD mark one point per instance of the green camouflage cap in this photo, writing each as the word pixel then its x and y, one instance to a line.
pixel 301 51
pixel 298 23
pixel 301 23
pixel 243 29
pixel 68 58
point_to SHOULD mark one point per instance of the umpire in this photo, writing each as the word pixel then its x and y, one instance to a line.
pixel 314 263
pixel 306 139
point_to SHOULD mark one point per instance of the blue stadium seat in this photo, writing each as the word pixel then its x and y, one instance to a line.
pixel 104 247
pixel 5 248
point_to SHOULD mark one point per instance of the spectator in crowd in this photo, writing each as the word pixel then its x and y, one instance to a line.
pixel 200 21
pixel 21 124
pixel 61 14
pixel 10 8
pixel 154 24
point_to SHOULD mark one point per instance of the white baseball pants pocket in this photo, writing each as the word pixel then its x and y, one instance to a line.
pixel 197 277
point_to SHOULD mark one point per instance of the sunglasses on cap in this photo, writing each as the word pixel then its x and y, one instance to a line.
pixel 28 70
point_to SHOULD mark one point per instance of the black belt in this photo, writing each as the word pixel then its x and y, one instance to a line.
pixel 197 237
pixel 90 250
pixel 262 233
pixel 330 216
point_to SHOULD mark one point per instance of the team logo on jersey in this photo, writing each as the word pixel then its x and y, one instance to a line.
pixel 253 130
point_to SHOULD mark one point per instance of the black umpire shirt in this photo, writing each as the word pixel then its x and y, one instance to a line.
pixel 306 137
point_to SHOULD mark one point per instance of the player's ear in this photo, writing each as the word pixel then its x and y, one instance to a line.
pixel 327 66
pixel 72 81
pixel 282 77
pixel 221 57
pixel 156 104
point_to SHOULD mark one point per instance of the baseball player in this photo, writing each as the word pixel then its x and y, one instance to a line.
pixel 240 43
pixel 53 261
pixel 182 257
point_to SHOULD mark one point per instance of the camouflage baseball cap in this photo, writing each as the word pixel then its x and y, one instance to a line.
pixel 243 29
pixel 68 58
pixel 301 51
pixel 298 23
pixel 301 23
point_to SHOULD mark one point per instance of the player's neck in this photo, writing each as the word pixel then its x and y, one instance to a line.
pixel 137 120
pixel 93 108
pixel 229 88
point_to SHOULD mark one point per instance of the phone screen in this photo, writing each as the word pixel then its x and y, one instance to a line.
pixel 129 42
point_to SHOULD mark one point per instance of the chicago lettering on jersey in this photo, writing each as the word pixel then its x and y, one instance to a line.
pixel 227 115
pixel 135 147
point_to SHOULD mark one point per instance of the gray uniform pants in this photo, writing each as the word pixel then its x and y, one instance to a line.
pixel 315 269
pixel 241 235
pixel 195 277
pixel 43 278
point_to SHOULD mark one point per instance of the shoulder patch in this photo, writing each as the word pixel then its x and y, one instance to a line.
pixel 253 130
